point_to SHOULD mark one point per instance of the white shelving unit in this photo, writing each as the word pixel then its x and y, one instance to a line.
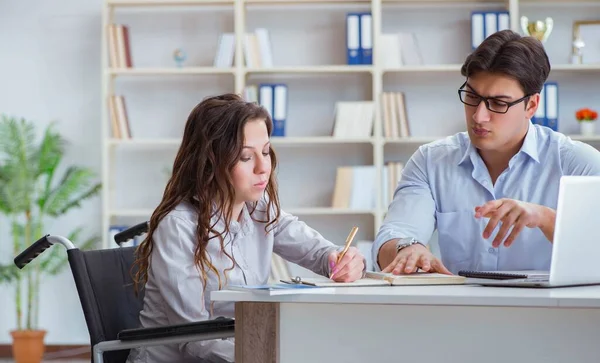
pixel 308 40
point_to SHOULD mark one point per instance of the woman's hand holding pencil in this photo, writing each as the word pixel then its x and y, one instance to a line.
pixel 347 265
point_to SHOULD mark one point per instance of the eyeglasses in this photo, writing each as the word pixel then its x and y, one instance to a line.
pixel 492 104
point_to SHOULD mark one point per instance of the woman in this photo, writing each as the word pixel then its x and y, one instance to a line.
pixel 218 223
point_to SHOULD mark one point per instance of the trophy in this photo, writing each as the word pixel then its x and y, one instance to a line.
pixel 578 45
pixel 538 29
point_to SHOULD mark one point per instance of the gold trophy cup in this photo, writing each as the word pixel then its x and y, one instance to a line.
pixel 538 29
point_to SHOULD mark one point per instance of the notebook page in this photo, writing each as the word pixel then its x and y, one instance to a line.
pixel 326 282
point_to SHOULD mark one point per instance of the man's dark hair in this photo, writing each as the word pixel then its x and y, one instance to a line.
pixel 508 53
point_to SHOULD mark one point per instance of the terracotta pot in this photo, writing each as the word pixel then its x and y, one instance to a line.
pixel 28 345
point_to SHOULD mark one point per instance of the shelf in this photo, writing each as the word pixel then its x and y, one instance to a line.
pixel 328 211
pixel 168 71
pixel 592 138
pixel 444 2
pixel 575 67
pixel 438 2
pixel 305 2
pixel 174 142
pixel 413 140
pixel 317 140
pixel 559 3
pixel 428 139
pixel 456 68
pixel 146 213
pixel 127 3
pixel 311 69
pixel 469 4
pixel 425 68
pixel 212 70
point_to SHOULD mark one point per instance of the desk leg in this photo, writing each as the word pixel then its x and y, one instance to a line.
pixel 256 332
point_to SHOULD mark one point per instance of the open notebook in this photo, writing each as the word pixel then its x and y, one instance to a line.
pixel 387 279
pixel 277 289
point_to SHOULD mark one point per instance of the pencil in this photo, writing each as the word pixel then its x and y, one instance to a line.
pixel 348 243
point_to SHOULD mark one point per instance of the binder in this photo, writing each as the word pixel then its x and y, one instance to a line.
pixel 477 29
pixel 491 24
pixel 503 20
pixel 279 109
pixel 539 118
pixel 551 103
pixel 353 38
pixel 366 38
pixel 265 97
pixel 486 23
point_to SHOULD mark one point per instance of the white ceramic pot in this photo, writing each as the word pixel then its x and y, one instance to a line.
pixel 588 128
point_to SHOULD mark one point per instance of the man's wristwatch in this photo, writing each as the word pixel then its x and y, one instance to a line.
pixel 405 242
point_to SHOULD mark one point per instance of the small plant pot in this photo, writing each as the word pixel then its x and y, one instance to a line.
pixel 28 345
pixel 587 128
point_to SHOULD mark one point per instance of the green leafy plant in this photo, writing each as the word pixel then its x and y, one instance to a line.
pixel 31 194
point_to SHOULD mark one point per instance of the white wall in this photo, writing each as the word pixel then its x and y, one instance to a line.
pixel 50 70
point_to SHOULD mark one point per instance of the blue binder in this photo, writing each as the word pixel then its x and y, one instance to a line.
pixel 366 38
pixel 353 38
pixel 551 105
pixel 280 103
pixel 486 23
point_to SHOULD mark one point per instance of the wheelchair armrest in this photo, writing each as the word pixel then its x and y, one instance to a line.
pixel 217 325
pixel 131 232
pixel 99 349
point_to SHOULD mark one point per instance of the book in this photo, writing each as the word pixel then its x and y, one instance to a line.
pixel 417 278
pixel 387 279
pixel 276 289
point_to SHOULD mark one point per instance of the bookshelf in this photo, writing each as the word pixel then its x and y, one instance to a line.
pixel 308 46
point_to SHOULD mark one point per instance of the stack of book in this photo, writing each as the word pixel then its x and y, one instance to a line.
pixel 395 120
pixel 120 128
pixel 119 51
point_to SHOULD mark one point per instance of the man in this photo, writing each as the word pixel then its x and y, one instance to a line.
pixel 491 191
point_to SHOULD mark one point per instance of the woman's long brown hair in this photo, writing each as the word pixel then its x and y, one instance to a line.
pixel 211 146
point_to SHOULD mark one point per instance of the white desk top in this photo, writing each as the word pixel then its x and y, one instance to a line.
pixel 474 295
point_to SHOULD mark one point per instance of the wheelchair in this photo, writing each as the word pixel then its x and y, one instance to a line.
pixel 110 305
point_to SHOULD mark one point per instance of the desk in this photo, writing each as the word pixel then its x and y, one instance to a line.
pixel 421 324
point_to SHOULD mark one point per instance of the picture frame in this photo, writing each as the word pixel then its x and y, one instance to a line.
pixel 586 42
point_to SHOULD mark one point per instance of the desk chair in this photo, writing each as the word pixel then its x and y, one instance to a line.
pixel 110 306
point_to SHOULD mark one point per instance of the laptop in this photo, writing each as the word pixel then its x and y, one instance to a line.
pixel 576 245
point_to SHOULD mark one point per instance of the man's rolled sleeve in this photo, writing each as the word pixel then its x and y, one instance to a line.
pixel 412 211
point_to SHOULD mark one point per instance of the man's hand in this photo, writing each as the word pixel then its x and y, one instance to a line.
pixel 349 269
pixel 412 257
pixel 515 214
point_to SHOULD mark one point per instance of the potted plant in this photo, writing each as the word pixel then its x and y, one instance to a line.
pixel 32 193
pixel 586 118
